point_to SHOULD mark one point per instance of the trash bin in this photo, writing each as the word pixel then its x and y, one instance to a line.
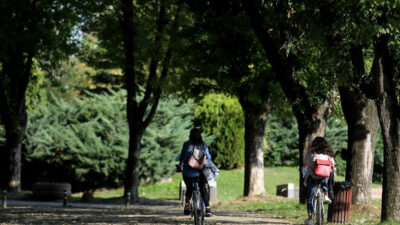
pixel 339 209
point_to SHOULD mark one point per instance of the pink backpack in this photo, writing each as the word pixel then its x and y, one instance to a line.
pixel 197 159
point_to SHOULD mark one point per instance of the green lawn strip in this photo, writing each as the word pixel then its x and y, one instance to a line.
pixel 284 208
pixel 167 190
pixel 230 184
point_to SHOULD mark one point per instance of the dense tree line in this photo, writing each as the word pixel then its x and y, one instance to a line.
pixel 307 55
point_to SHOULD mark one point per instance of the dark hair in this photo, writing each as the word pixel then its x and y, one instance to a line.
pixel 195 136
pixel 321 146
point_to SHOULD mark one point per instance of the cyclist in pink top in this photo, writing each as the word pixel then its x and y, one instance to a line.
pixel 320 149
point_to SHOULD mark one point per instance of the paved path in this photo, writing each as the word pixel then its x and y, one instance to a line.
pixel 28 212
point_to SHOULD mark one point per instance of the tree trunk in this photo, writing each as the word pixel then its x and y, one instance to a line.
pixel 255 122
pixel 15 75
pixel 14 135
pixel 132 164
pixel 389 118
pixel 311 124
pixel 363 124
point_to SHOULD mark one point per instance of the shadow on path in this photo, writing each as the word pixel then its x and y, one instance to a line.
pixel 21 212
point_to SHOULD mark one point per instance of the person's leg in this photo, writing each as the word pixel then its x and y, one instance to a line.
pixel 204 194
pixel 189 188
pixel 311 185
pixel 324 185
pixel 203 190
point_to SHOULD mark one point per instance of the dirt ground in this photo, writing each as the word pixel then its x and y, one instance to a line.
pixel 20 212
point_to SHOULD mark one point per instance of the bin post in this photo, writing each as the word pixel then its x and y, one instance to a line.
pixel 65 199
pixel 4 197
pixel 339 209
pixel 128 199
pixel 212 192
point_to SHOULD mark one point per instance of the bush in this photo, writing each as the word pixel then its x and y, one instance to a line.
pixel 163 140
pixel 82 141
pixel 281 141
pixel 85 141
pixel 222 116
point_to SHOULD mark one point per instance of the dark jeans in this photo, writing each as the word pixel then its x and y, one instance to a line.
pixel 312 184
pixel 202 181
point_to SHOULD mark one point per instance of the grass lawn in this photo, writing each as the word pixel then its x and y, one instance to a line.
pixel 230 191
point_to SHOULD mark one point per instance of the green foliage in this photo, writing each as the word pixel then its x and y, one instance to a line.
pixel 222 116
pixel 281 141
pixel 163 140
pixel 85 141
pixel 102 43
pixel 36 91
pixel 336 134
pixel 88 135
pixel 378 159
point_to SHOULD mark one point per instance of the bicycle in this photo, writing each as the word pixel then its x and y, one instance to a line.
pixel 318 205
pixel 198 207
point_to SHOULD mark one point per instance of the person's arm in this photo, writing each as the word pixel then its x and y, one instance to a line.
pixel 308 160
pixel 333 164
pixel 183 152
pixel 207 152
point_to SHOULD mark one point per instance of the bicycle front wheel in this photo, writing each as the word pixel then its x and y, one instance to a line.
pixel 203 212
pixel 319 210
pixel 196 209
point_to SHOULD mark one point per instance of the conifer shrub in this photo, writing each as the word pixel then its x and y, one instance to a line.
pixel 222 116
pixel 84 141
pixel 81 140
pixel 281 139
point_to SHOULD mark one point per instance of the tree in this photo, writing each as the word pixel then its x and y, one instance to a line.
pixel 145 35
pixel 384 66
pixel 282 27
pixel 376 35
pixel 29 29
pixel 223 56
pixel 346 50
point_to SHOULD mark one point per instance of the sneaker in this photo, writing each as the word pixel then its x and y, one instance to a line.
pixel 308 222
pixel 188 209
pixel 327 200
pixel 208 212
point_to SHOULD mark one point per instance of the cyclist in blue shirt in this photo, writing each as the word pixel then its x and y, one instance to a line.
pixel 190 175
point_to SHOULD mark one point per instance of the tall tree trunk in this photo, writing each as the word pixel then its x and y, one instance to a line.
pixel 311 124
pixel 140 114
pixel 255 123
pixel 389 118
pixel 363 124
pixel 15 75
pixel 132 164
pixel 15 131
